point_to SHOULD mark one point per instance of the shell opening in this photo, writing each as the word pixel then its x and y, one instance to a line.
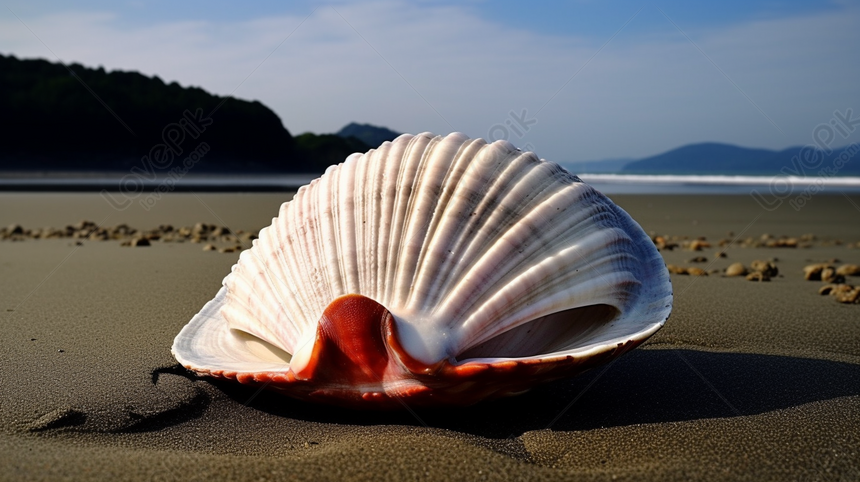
pixel 260 348
pixel 552 333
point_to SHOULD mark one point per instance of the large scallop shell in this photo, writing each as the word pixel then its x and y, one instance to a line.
pixel 432 270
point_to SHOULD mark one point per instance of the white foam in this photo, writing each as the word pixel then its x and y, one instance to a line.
pixel 796 181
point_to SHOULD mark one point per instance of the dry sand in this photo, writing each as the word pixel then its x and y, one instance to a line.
pixel 757 381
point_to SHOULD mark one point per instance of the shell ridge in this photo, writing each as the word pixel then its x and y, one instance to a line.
pixel 443 250
pixel 291 227
pixel 496 262
pixel 282 285
pixel 475 193
pixel 273 245
pixel 240 284
pixel 379 217
pixel 394 170
pixel 500 206
pixel 345 223
pixel 328 241
pixel 433 248
pixel 420 210
pixel 398 227
pixel 530 290
pixel 243 316
pixel 316 281
pixel 267 284
pixel 579 225
pixel 386 167
pixel 364 253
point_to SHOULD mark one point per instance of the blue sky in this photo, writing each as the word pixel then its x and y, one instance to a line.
pixel 573 81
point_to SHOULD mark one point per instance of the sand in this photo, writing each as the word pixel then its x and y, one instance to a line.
pixel 747 381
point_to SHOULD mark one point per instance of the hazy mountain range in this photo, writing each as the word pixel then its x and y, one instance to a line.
pixel 73 118
pixel 715 158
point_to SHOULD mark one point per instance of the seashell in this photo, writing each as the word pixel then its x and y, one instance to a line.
pixel 432 271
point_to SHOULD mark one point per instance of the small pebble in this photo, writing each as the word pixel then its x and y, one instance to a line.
pixel 138 242
pixel 848 296
pixel 765 267
pixel 812 272
pixel 736 269
pixel 828 275
pixel 848 270
pixel 758 276
pixel 698 245
pixel 827 289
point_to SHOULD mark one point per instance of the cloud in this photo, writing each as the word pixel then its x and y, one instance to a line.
pixel 417 67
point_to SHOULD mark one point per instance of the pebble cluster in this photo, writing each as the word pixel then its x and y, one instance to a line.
pixel 758 271
pixel 835 281
pixel 668 243
pixel 217 238
pixel 765 270
pixel 221 239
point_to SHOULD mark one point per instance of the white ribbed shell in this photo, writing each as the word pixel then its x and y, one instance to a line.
pixel 461 240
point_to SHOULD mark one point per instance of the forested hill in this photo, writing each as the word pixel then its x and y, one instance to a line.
pixel 57 117
pixel 368 134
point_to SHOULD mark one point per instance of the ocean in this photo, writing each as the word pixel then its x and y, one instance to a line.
pixel 775 186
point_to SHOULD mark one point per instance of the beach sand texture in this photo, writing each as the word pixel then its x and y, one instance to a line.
pixel 747 380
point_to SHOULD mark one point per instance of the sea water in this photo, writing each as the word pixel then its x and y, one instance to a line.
pixel 606 183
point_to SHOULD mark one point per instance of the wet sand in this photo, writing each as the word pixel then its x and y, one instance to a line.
pixel 747 380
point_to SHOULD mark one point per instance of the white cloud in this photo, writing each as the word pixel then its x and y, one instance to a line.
pixel 642 94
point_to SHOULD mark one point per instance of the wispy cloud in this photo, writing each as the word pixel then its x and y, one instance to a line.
pixel 643 93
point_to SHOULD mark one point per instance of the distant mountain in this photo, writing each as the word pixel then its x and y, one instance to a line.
pixel 323 150
pixel 606 166
pixel 715 158
pixel 371 135
pixel 63 118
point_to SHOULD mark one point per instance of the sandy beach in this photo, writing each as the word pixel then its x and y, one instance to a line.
pixel 747 380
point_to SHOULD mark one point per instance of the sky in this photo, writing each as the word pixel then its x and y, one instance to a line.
pixel 572 81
